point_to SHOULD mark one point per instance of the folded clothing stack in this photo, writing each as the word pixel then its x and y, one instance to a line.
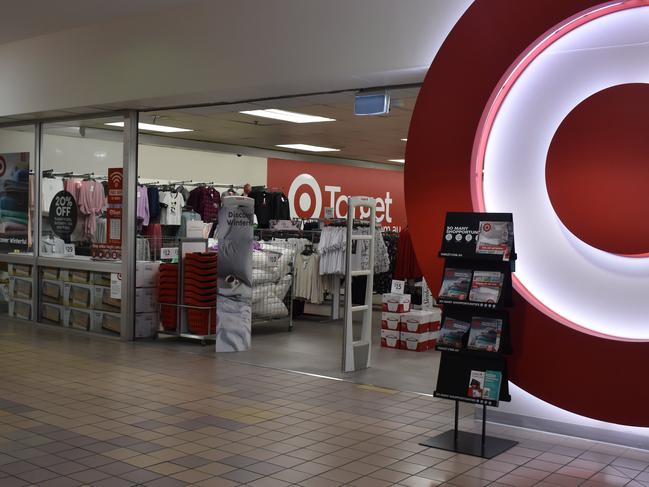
pixel 200 291
pixel 168 296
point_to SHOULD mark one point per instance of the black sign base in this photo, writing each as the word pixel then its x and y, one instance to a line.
pixel 469 444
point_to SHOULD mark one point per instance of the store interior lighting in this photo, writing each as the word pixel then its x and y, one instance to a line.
pixel 286 116
pixel 307 147
pixel 400 161
pixel 153 128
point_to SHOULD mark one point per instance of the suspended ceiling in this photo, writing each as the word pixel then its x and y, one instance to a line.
pixel 373 138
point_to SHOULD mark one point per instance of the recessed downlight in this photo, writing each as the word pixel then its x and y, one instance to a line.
pixel 286 116
pixel 152 128
pixel 307 147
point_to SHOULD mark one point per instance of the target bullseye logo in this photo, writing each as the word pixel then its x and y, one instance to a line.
pixel 581 305
pixel 303 203
pixel 3 166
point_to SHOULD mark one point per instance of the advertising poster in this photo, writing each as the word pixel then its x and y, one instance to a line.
pixel 14 202
pixel 234 303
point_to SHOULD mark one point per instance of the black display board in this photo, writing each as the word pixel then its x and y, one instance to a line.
pixel 63 215
pixel 475 291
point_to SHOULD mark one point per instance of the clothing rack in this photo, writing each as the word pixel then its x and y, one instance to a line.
pixel 49 173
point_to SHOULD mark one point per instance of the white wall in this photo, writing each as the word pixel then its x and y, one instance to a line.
pixel 224 50
pixel 83 155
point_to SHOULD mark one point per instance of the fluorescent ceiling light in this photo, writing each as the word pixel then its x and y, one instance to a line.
pixel 405 140
pixel 153 128
pixel 287 116
pixel 400 161
pixel 307 147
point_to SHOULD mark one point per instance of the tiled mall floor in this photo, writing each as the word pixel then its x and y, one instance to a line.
pixel 76 410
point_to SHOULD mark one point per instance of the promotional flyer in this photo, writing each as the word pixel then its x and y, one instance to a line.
pixel 14 202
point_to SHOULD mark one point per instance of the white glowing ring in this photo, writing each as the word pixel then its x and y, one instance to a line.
pixel 566 278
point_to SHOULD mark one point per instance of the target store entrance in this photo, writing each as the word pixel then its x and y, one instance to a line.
pixel 265 189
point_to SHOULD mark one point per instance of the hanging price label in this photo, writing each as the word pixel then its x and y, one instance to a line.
pixel 398 287
pixel 427 299
pixel 116 286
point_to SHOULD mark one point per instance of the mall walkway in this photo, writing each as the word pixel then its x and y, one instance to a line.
pixel 77 410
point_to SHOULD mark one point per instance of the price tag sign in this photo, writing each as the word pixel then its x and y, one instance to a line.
pixel 398 287
pixel 116 286
pixel 329 212
pixel 68 250
pixel 170 253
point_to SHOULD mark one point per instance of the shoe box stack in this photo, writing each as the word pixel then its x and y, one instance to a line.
pixel 168 296
pixel 405 328
pixel 200 289
pixel 20 291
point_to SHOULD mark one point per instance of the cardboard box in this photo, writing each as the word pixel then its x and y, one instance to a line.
pixel 104 302
pixel 80 277
pixel 390 338
pixel 52 291
pixel 20 309
pixel 146 325
pixel 79 319
pixel 78 295
pixel 104 320
pixel 20 287
pixel 414 342
pixel 101 278
pixel 19 270
pixel 52 313
pixel 390 321
pixel 146 300
pixel 416 321
pixel 396 303
pixel 55 274
pixel 146 274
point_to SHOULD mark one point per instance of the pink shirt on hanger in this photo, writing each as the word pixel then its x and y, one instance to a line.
pixel 92 201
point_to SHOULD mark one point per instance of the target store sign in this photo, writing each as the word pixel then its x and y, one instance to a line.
pixel 312 187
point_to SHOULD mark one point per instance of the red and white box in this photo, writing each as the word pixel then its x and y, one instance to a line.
pixel 414 342
pixel 396 303
pixel 390 338
pixel 390 321
pixel 416 321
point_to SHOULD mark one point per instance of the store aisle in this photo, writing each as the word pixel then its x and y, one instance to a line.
pixel 315 346
pixel 82 410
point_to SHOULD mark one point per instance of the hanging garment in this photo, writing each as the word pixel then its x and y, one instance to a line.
pixel 92 201
pixel 143 205
pixel 205 201
pixel 279 207
pixel 407 266
pixel 383 281
pixel 50 186
pixel 185 217
pixel 262 207
pixel 172 204
pixel 308 282
pixel 153 195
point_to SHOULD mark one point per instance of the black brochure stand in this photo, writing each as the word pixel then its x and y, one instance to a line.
pixel 459 248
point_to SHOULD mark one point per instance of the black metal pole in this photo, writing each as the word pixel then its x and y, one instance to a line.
pixel 457 414
pixel 484 426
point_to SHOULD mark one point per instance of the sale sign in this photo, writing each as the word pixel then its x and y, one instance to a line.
pixel 112 250
pixel 315 188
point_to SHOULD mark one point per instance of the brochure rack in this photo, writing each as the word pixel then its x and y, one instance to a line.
pixel 482 243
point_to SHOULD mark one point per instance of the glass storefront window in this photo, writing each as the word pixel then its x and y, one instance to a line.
pixel 75 161
pixel 17 145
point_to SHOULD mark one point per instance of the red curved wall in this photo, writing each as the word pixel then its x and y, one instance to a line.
pixel 597 170
pixel 579 372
